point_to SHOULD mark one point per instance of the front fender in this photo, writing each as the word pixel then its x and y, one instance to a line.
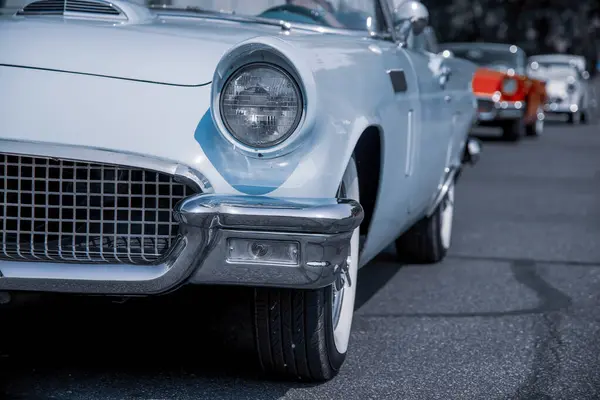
pixel 320 172
pixel 339 107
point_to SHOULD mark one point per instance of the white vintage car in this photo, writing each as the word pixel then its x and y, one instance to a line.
pixel 567 85
pixel 142 150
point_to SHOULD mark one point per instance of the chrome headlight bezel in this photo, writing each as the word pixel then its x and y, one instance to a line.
pixel 296 88
pixel 252 53
pixel 512 81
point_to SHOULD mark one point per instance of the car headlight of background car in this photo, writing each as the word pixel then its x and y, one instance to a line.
pixel 261 105
pixel 509 86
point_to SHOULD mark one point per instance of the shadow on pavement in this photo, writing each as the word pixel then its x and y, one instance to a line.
pixel 375 276
pixel 198 340
pixel 181 345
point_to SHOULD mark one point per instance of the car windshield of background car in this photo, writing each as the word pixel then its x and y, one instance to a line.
pixel 340 14
pixel 493 59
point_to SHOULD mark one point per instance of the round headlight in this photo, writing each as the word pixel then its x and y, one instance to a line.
pixel 261 105
pixel 509 86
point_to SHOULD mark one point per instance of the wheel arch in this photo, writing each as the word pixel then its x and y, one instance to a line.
pixel 368 155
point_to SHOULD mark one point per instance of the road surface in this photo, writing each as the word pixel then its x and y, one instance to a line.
pixel 513 312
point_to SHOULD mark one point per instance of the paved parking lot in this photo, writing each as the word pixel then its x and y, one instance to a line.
pixel 513 312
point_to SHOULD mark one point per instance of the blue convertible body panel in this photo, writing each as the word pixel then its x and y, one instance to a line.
pixel 141 87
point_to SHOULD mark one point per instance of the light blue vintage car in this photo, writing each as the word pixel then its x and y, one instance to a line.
pixel 279 147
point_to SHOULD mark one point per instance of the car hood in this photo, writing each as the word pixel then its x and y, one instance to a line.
pixel 487 81
pixel 556 87
pixel 177 51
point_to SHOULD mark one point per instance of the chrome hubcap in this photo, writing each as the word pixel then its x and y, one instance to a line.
pixel 342 280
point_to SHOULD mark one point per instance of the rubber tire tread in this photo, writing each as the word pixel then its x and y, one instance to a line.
pixel 291 334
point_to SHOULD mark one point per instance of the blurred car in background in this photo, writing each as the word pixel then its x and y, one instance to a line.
pixel 567 84
pixel 506 97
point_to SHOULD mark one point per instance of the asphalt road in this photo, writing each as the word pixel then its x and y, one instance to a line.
pixel 513 312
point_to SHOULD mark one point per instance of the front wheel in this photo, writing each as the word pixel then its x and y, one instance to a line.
pixel 536 128
pixel 512 130
pixel 428 240
pixel 304 334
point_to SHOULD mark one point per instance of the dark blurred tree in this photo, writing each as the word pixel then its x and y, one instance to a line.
pixel 538 26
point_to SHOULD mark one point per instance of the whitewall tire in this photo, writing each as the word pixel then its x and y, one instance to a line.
pixel 304 334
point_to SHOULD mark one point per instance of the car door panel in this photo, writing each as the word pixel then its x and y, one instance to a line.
pixel 462 106
pixel 433 121
pixel 391 217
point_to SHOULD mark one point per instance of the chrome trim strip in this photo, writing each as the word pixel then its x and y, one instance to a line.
pixel 410 145
pixel 106 156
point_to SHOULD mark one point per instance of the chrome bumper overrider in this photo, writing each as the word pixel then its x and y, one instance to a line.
pixel 316 231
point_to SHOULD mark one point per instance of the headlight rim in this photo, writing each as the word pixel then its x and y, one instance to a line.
pixel 504 82
pixel 275 146
pixel 285 55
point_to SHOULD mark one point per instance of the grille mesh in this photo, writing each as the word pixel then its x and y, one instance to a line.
pixel 484 105
pixel 71 211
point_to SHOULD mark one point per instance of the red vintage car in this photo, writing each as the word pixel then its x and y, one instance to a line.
pixel 506 97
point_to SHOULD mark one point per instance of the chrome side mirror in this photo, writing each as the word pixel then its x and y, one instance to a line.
pixel 409 16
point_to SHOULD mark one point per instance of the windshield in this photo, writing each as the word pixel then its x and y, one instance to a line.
pixel 552 70
pixel 500 60
pixel 341 14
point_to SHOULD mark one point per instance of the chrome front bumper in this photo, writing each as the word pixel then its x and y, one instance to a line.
pixel 560 108
pixel 498 110
pixel 319 230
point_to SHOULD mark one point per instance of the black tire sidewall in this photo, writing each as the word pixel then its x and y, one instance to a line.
pixel 513 130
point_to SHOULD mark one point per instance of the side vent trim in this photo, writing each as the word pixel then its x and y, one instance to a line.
pixel 58 7
pixel 95 9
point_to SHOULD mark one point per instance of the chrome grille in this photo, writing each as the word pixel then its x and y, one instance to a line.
pixel 484 105
pixel 73 211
